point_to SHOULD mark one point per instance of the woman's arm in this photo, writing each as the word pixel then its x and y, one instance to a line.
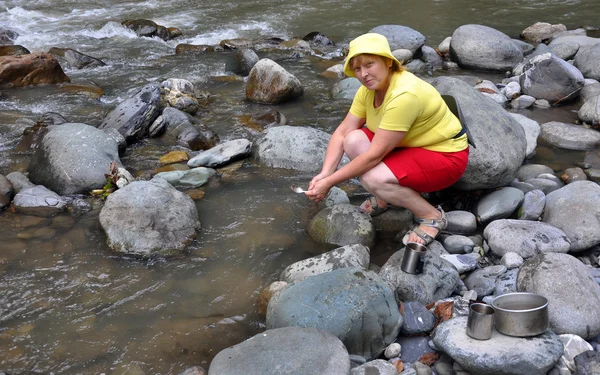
pixel 383 142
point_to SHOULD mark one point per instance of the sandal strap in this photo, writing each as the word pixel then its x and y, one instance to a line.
pixel 439 224
pixel 424 236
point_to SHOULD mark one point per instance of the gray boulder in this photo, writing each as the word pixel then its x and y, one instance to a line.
pixel 565 51
pixel 269 83
pixel 574 209
pixel 431 58
pixel 590 111
pixel 417 319
pixel 551 78
pixel 292 147
pixel 528 355
pixel 73 158
pixel 192 178
pixel 39 201
pixel 573 295
pixel 242 61
pixel 399 36
pixel 586 61
pixel 355 305
pixel 6 192
pixel 342 224
pixel 483 281
pixel 499 204
pixel 187 130
pixel 461 222
pixel 133 117
pixel 75 59
pixel 533 205
pixel 532 131
pixel 222 154
pixel 500 140
pixel 484 48
pixel 342 257
pixel 438 279
pixel 149 218
pixel 284 351
pixel 346 88
pixel 526 238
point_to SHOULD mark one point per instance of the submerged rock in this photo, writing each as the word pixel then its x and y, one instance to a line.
pixel 75 59
pixel 342 224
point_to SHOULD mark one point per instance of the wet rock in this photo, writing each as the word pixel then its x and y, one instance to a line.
pixel 343 257
pixel 242 61
pixel 342 225
pixel 296 44
pixel 565 51
pixel 192 178
pixel 533 205
pixel 346 88
pixel 413 348
pixel 511 91
pixel 431 58
pixel 461 222
pixel 551 78
pixel 337 196
pixel 6 192
pixel 191 49
pixel 530 355
pixel 394 221
pixel 266 294
pixel 573 296
pixel 484 48
pixel 573 174
pixel 507 282
pixel 489 89
pixel 37 68
pixel 457 244
pixel 417 319
pixel 137 220
pixel 545 185
pixel 148 28
pixel 532 131
pixel 399 36
pixel 574 209
pixel 195 370
pixel 522 102
pixel 586 61
pixel 318 38
pixel 222 154
pixel 174 157
pixel 292 147
pixel 500 140
pixel 73 158
pixel 498 204
pixel 526 238
pixel 335 72
pixel 355 305
pixel 529 171
pixel 179 94
pixel 483 281
pixel 393 350
pixel 7 36
pixel 311 351
pixel 269 83
pixel 438 279
pixel 462 263
pixel 187 130
pixel 587 363
pixel 378 366
pixel 19 181
pixel 590 111
pixel 444 46
pixel 75 59
pixel 13 50
pixel 39 201
pixel 541 31
pixel 133 117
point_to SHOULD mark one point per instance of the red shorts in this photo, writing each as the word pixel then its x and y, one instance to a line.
pixel 424 170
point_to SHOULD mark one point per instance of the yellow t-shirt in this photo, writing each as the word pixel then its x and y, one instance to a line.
pixel 414 106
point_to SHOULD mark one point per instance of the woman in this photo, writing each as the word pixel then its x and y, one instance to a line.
pixel 400 136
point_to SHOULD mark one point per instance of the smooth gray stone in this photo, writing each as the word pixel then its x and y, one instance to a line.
pixel 378 366
pixel 569 136
pixel 191 178
pixel 335 196
pixel 499 204
pixel 188 131
pixel 523 186
pixel 545 185
pixel 533 205
pixel 483 281
pixel 549 77
pixel 586 60
pixel 462 263
pixel 587 363
pixel 532 131
pixel 341 225
pixel 342 257
pixel 269 83
pixel 417 319
pixel 346 88
pixel 524 237
pixel 507 282
pixel 457 244
pixel 431 58
pixel 461 222
pixel 574 174
pixel 531 355
pixel 353 304
pixel 522 102
pixel 399 36
pixel 589 111
pixel 222 154
pixel 39 201
pixel 512 260
pixel 529 171
pixel 413 348
pixel 284 351
pixel 242 61
pixel 565 51
pixel 19 181
pixel 574 209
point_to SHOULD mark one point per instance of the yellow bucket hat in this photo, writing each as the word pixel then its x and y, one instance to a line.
pixel 371 43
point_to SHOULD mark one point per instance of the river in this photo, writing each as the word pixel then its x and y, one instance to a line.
pixel 68 305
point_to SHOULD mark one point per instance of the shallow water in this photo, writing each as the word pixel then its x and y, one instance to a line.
pixel 69 305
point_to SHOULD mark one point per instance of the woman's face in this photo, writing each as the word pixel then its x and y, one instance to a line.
pixel 372 71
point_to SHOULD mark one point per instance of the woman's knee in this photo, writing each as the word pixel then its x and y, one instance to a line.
pixel 355 143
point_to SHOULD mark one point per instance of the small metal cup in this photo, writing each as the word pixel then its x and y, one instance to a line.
pixel 481 321
pixel 414 258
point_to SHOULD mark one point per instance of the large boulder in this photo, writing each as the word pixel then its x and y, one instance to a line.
pixel 39 201
pixel 401 37
pixel 501 142
pixel 573 295
pixel 269 83
pixel 284 351
pixel 501 354
pixel 149 218
pixel 73 158
pixel 15 50
pixel 292 147
pixel 549 77
pixel 342 224
pixel 586 60
pixel 526 238
pixel 222 154
pixel 574 209
pixel 353 304
pixel 484 48
pixel 75 58
pixel 188 131
pixel 38 68
pixel 570 136
pixel 437 281
pixel 133 117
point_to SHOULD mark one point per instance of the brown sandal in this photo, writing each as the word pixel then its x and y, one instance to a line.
pixel 376 209
pixel 439 224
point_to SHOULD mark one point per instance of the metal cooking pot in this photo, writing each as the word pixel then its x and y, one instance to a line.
pixel 521 314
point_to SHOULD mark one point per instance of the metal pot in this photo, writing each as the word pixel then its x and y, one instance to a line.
pixel 521 314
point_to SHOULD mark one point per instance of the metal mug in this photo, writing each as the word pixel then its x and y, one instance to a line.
pixel 414 258
pixel 481 321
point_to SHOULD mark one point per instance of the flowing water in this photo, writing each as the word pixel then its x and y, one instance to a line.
pixel 67 303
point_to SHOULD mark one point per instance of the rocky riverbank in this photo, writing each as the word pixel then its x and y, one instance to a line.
pixel 514 226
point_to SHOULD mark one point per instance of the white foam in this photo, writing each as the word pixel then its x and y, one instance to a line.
pixel 109 30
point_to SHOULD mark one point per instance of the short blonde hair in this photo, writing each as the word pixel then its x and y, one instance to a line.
pixel 397 65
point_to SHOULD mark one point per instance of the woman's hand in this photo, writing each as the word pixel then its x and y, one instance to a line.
pixel 318 188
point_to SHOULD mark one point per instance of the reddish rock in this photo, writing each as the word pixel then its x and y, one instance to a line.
pixel 33 69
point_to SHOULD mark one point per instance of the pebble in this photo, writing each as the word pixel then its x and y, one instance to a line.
pixel 512 260
pixel 393 350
